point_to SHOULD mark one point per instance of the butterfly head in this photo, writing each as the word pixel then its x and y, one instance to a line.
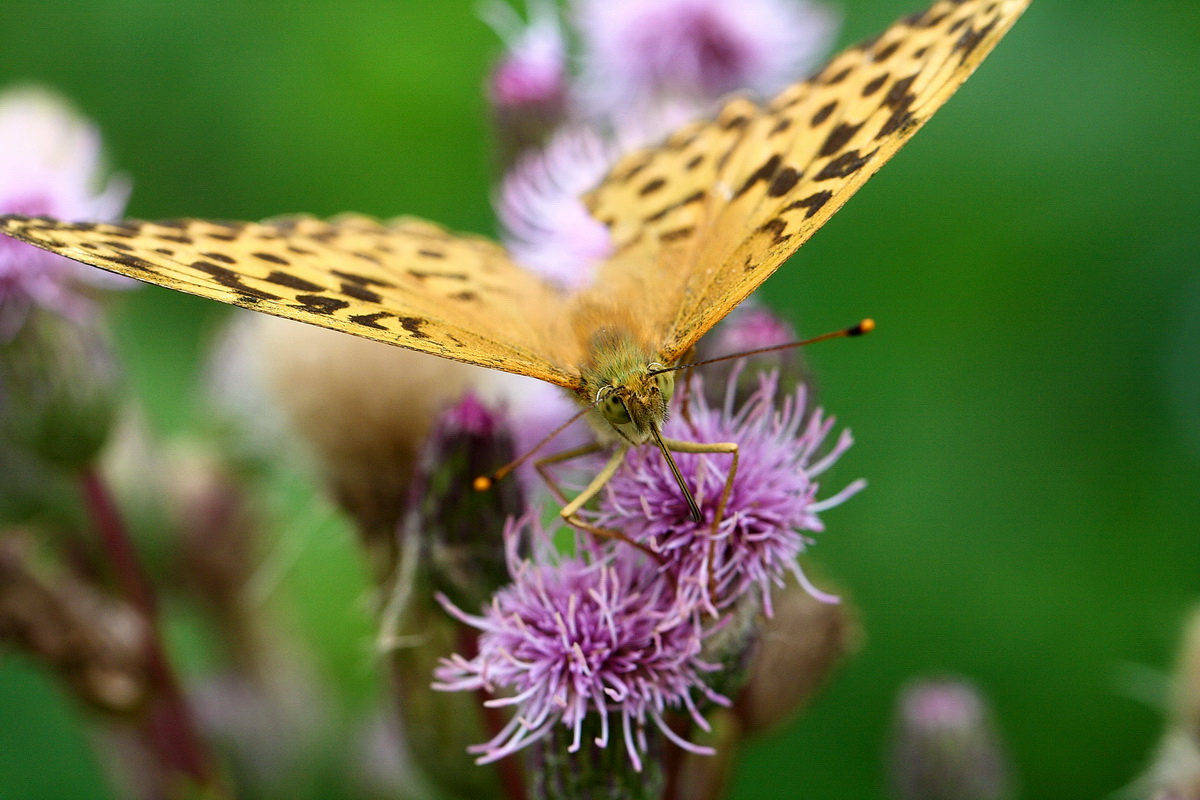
pixel 636 405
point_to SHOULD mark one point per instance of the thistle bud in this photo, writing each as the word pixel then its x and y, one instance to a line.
pixel 796 651
pixel 945 746
pixel 59 387
pixel 461 528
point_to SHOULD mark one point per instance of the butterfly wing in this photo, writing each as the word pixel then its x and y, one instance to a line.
pixel 405 282
pixel 721 205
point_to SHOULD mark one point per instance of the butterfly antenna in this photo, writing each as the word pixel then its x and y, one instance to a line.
pixel 485 482
pixel 866 326
pixel 693 506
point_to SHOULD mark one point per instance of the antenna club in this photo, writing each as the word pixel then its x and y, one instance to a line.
pixel 482 483
pixel 866 326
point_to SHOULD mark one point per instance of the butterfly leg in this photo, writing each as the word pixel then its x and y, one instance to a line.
pixel 558 458
pixel 571 507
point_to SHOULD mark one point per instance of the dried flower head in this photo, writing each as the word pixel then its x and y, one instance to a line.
pixel 772 503
pixel 571 638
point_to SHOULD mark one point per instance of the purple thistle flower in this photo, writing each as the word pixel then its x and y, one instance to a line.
pixel 571 637
pixel 772 504
pixel 50 163
pixel 639 52
pixel 533 70
pixel 544 223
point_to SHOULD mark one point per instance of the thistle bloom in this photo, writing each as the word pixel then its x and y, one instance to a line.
pixel 544 223
pixel 772 504
pixel 50 163
pixel 639 52
pixel 568 638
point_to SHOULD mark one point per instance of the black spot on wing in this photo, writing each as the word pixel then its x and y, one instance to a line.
pixel 838 138
pixel 224 259
pixel 133 262
pixel 359 292
pixel 823 113
pixel 812 203
pixel 775 228
pixel 874 85
pixel 785 180
pixel 695 197
pixel 886 52
pixel 320 304
pixel 413 326
pixel 677 234
pixel 838 77
pixel 271 258
pixel 971 39
pixel 293 282
pixel 652 186
pixel 761 175
pixel 370 320
pixel 362 280
pixel 423 274
pixel 232 280
pixel 900 99
pixel 847 163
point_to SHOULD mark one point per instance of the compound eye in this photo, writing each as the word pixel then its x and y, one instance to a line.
pixel 604 392
pixel 666 384
pixel 615 411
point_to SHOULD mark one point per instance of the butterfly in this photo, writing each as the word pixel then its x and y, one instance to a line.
pixel 696 223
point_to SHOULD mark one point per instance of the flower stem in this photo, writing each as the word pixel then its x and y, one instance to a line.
pixel 170 726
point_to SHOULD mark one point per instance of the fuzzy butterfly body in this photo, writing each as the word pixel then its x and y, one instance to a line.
pixel 696 224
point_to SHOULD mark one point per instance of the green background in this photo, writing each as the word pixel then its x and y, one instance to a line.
pixel 1027 413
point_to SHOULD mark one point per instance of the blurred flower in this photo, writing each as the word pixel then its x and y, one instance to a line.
pixel 544 223
pixel 1175 771
pixel 945 746
pixel 234 384
pixel 568 638
pixel 639 54
pixel 527 88
pixel 270 729
pixel 50 164
pixel 773 499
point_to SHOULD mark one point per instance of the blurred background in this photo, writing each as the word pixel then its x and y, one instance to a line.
pixel 1028 413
